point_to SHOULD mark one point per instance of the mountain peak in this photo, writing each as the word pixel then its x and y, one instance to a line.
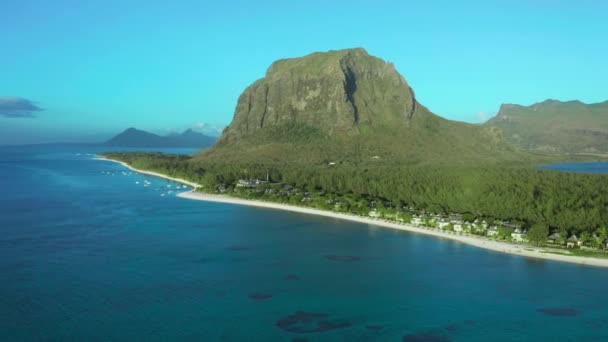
pixel 334 91
pixel 132 137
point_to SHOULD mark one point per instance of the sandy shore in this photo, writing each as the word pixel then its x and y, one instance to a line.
pixel 498 246
pixel 155 174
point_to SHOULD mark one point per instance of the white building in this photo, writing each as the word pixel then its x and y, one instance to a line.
pixel 518 235
pixel 493 231
pixel 416 220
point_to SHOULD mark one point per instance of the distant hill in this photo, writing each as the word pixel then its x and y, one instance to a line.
pixel 133 137
pixel 555 127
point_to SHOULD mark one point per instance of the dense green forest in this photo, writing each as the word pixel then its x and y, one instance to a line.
pixel 560 201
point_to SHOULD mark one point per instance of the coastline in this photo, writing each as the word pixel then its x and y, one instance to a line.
pixel 151 173
pixel 480 242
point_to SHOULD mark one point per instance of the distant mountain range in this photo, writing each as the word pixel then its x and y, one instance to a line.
pixel 133 137
pixel 556 127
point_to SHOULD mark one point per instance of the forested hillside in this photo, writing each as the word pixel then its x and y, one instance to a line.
pixel 346 131
pixel 559 200
pixel 555 127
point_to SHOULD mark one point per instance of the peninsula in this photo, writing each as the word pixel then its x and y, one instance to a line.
pixel 525 250
pixel 342 134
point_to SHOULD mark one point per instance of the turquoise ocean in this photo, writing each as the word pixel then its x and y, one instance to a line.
pixel 90 251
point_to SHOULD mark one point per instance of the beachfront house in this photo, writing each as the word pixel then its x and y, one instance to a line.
pixel 374 214
pixel 416 220
pixel 572 241
pixel 457 227
pixel 554 238
pixel 493 231
pixel 443 223
pixel 480 224
pixel 518 235
pixel 249 183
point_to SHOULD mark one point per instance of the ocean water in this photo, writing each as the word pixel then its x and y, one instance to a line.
pixel 88 253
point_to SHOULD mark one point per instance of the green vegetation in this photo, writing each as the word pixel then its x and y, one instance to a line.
pixel 538 234
pixel 564 202
pixel 555 127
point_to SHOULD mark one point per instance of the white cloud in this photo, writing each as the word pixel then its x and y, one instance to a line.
pixel 213 130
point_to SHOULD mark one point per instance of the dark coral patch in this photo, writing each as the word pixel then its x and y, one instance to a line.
pixel 559 312
pixel 272 264
pixel 374 327
pixel 344 258
pixel 424 337
pixel 596 324
pixel 451 328
pixel 238 248
pixel 260 296
pixel 291 277
pixel 307 322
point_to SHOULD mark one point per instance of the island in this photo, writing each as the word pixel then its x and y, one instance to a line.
pixel 133 137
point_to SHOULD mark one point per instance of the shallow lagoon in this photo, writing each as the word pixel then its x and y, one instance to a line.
pixel 87 253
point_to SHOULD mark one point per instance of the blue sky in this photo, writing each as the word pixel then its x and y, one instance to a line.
pixel 93 68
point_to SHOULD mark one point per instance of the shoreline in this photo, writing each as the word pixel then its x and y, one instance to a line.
pixel 150 173
pixel 480 242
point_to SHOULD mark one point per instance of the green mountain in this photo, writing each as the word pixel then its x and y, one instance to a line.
pixel 133 137
pixel 555 127
pixel 342 130
pixel 347 106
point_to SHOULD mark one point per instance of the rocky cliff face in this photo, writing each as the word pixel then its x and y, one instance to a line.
pixel 336 91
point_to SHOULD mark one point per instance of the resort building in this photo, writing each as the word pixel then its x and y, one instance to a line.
pixel 442 224
pixel 554 238
pixel 416 220
pixel 493 231
pixel 572 241
pixel 518 235
pixel 249 183
pixel 374 214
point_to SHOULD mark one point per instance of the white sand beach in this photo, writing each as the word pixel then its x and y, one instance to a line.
pixel 155 174
pixel 477 241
